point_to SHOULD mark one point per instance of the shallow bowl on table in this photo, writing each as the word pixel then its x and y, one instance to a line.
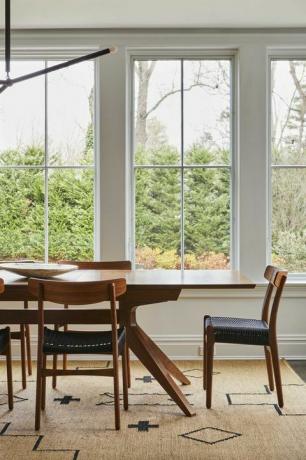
pixel 37 270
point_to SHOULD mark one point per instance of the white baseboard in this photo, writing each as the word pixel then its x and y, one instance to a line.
pixel 186 347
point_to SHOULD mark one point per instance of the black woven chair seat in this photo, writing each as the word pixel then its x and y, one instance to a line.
pixel 239 330
pixel 74 342
pixel 4 338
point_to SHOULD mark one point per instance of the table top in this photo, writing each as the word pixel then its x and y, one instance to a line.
pixel 184 279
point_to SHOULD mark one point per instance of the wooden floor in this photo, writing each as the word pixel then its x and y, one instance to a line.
pixel 300 368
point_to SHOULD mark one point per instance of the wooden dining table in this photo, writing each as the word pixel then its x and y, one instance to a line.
pixel 144 287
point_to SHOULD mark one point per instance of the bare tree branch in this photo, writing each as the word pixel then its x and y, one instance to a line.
pixel 175 91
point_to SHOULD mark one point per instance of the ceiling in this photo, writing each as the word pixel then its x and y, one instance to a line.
pixel 155 13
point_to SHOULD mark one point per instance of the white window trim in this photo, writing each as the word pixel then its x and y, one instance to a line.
pixel 252 141
pixel 181 54
pixel 277 54
pixel 64 53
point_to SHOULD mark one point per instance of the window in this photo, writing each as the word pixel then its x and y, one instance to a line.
pixel 182 162
pixel 288 163
pixel 47 164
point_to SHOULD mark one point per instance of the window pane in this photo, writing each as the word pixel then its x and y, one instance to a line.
pixel 207 218
pixel 71 214
pixel 157 112
pixel 21 214
pixel 158 218
pixel 70 114
pixel 22 117
pixel 289 219
pixel 207 117
pixel 289 112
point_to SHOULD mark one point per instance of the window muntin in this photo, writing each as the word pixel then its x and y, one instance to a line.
pixel 288 163
pixel 182 171
pixel 47 164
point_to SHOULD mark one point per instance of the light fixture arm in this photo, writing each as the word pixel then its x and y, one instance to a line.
pixel 11 81
pixel 7 37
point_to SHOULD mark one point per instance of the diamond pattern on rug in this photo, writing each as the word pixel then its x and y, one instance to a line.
pixel 17 399
pixel 210 435
pixel 146 379
pixel 150 399
pixel 143 425
pixel 66 399
pixel 39 439
pixel 250 399
pixel 197 373
pixel 287 414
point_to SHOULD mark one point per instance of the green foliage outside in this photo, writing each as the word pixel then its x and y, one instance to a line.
pixel 158 210
pixel 22 207
pixel 289 219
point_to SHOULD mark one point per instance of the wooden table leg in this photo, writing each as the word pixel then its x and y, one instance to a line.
pixel 153 360
pixel 163 358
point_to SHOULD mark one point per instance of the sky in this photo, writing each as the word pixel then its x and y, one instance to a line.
pixel 202 106
pixel 22 109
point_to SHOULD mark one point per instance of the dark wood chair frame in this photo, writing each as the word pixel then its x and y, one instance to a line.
pixel 8 354
pixel 90 265
pixel 25 342
pixel 76 293
pixel 25 348
pixel 277 279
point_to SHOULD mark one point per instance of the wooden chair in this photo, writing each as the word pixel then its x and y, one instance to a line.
pixel 88 265
pixel 248 332
pixel 5 350
pixel 25 345
pixel 51 342
pixel 25 342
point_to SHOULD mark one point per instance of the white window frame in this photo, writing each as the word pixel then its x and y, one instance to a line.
pixel 275 55
pixel 45 55
pixel 181 55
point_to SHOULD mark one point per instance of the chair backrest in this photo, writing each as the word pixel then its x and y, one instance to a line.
pixel 1 285
pixel 76 293
pixel 105 265
pixel 277 279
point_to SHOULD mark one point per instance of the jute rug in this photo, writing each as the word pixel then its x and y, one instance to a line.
pixel 244 423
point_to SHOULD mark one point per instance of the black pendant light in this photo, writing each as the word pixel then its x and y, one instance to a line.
pixel 4 84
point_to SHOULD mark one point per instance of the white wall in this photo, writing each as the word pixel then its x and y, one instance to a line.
pixel 178 326
pixel 160 13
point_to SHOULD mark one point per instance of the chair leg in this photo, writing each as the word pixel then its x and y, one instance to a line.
pixel 38 391
pixel 277 373
pixel 116 395
pixel 204 357
pixel 54 363
pixel 209 369
pixel 43 383
pixel 269 368
pixel 28 347
pixel 65 356
pixel 28 341
pixel 23 356
pixel 205 362
pixel 65 330
pixel 128 364
pixel 125 379
pixel 9 377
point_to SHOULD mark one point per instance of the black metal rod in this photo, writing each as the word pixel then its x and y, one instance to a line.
pixel 7 36
pixel 3 88
pixel 61 65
